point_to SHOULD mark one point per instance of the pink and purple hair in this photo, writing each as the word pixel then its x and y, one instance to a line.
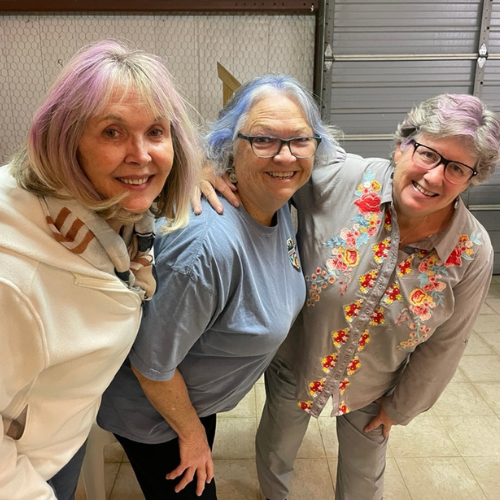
pixel 48 165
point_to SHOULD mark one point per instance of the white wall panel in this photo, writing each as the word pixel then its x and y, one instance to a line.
pixel 177 42
pixel 290 40
pixel 24 75
pixel 33 48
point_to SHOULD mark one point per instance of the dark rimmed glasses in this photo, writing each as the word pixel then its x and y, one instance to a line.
pixel 454 171
pixel 267 146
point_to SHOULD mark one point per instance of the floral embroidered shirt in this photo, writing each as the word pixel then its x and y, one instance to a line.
pixel 379 321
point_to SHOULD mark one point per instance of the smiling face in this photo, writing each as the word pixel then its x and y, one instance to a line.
pixel 266 184
pixel 126 149
pixel 419 192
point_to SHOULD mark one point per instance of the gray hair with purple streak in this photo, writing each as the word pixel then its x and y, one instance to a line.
pixel 457 115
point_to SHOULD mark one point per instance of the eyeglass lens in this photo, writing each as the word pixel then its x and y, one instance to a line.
pixel 300 147
pixel 427 158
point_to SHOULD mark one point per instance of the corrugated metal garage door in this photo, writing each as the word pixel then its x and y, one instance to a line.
pixel 382 57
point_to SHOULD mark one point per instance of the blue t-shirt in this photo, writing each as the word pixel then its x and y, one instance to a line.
pixel 228 291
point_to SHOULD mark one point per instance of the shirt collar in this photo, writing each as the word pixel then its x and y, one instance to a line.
pixel 386 192
pixel 445 241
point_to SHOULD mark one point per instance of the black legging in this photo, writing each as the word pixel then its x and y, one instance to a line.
pixel 152 462
pixel 65 481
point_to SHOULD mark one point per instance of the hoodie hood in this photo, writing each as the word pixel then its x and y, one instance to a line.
pixel 24 230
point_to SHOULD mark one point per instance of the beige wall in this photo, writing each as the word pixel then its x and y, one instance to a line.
pixel 34 47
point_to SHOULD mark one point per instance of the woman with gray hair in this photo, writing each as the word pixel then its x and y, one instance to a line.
pixel 395 282
pixel 229 290
pixel 397 269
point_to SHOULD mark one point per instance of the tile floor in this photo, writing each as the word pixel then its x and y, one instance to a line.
pixel 451 452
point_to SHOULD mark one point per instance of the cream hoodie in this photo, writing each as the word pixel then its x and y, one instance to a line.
pixel 65 329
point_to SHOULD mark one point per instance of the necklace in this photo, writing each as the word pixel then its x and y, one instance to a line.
pixel 412 231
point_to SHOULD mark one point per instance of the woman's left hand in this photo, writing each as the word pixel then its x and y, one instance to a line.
pixel 381 420
pixel 208 184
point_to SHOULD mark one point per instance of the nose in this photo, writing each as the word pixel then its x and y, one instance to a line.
pixel 285 153
pixel 436 175
pixel 138 152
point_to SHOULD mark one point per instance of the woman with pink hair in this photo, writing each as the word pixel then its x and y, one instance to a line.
pixel 110 149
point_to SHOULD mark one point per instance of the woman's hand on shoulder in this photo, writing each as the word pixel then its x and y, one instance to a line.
pixel 208 184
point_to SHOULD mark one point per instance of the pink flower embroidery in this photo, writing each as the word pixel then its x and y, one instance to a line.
pixel 365 338
pixel 316 387
pixel 353 365
pixel 377 317
pixel 455 258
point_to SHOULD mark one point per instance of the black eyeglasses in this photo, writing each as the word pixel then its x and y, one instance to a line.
pixel 454 171
pixel 266 146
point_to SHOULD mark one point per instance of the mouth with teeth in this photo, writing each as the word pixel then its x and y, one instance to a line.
pixel 134 182
pixel 281 175
pixel 420 189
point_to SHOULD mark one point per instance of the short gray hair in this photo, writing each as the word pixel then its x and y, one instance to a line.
pixel 461 115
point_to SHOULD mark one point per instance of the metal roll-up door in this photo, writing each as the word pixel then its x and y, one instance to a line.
pixel 484 200
pixel 381 58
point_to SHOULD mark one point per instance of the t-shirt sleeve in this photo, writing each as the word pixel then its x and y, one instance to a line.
pixel 182 308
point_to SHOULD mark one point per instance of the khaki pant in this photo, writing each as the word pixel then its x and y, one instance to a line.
pixel 361 459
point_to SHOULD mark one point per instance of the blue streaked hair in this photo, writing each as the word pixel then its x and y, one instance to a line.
pixel 220 142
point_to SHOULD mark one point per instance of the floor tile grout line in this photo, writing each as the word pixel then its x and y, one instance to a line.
pixel 487 343
pixel 475 478
pixel 483 398
pixel 116 479
pixel 461 455
pixel 403 478
pixel 334 483
pixel 323 439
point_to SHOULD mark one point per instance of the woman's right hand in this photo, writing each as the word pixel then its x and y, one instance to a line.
pixel 208 184
pixel 196 458
pixel 171 399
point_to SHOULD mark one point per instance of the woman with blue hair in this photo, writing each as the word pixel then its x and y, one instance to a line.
pixel 229 290
pixel 397 269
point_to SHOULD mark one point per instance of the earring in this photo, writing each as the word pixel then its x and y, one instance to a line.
pixel 232 176
pixel 455 204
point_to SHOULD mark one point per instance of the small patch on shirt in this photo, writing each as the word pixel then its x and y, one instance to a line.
pixel 292 253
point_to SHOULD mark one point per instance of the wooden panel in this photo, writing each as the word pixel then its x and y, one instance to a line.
pixel 291 6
